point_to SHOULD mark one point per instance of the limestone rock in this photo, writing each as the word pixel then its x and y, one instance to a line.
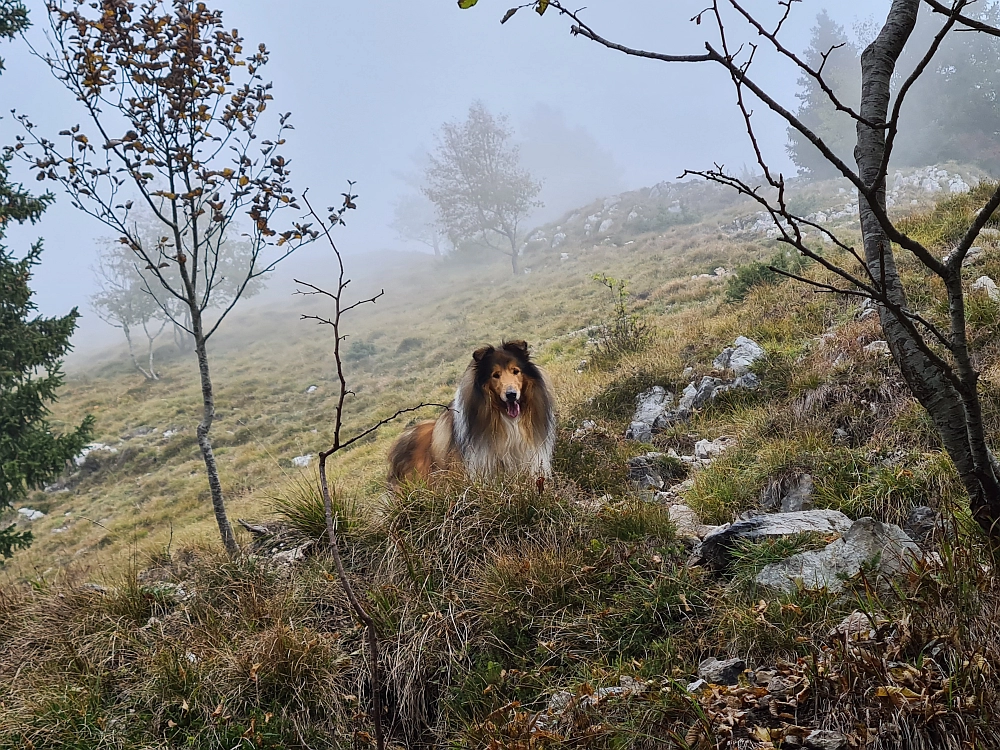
pixel 866 542
pixel 721 671
pixel 716 547
pixel 789 494
pixel 643 472
pixel 706 450
pixel 651 404
pixel 688 525
pixel 740 356
pixel 988 285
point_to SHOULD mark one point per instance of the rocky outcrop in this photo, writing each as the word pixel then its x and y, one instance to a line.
pixel 644 472
pixel 882 548
pixel 740 356
pixel 716 548
pixel 654 408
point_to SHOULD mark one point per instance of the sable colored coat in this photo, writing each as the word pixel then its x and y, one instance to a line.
pixel 502 421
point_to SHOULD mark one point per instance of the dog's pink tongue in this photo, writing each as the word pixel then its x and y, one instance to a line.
pixel 513 409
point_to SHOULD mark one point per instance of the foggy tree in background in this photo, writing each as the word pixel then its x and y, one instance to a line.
pixel 31 350
pixel 415 219
pixel 934 356
pixel 475 181
pixel 123 301
pixel 131 297
pixel 176 133
pixel 573 167
pixel 841 72
pixel 953 113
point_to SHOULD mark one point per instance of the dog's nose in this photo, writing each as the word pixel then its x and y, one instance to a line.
pixel 511 395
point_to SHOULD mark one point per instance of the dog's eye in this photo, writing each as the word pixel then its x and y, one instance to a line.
pixel 496 375
pixel 515 371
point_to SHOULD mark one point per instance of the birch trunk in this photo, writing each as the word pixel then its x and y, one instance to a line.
pixel 205 444
pixel 949 396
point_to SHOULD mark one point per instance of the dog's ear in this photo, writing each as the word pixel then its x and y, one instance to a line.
pixel 478 355
pixel 517 347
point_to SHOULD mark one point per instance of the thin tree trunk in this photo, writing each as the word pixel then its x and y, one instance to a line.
pixel 151 339
pixel 208 416
pixel 131 353
pixel 950 398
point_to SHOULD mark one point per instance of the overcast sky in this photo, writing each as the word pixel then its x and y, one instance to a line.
pixel 368 84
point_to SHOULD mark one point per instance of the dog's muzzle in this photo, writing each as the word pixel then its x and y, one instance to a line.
pixel 511 402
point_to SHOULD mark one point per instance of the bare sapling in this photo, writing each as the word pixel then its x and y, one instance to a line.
pixel 172 163
pixel 334 320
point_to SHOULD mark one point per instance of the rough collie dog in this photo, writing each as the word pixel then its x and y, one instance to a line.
pixel 502 421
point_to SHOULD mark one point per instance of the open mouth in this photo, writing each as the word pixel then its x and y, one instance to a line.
pixel 513 409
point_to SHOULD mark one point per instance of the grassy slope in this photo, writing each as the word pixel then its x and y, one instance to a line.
pixel 264 361
pixel 491 599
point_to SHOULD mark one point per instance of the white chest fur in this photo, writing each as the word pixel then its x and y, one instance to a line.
pixel 504 447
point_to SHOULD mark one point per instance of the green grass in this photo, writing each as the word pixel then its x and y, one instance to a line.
pixel 490 597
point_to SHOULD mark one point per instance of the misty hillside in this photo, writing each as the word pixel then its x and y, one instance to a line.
pixel 589 615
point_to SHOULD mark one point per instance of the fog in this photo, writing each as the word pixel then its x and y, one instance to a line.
pixel 369 84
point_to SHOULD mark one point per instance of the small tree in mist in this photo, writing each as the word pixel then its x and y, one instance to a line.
pixel 415 220
pixel 829 49
pixel 175 106
pixel 122 301
pixel 130 297
pixel 31 350
pixel 475 181
pixel 625 331
pixel 933 353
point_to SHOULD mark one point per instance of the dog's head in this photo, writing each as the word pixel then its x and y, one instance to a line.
pixel 504 375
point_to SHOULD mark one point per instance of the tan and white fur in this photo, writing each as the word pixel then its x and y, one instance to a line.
pixel 501 422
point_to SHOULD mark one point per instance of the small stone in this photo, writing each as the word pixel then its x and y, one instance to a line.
pixel 879 348
pixel 789 494
pixel 302 461
pixel 651 404
pixel 640 432
pixel 31 514
pixel 825 739
pixel 312 389
pixel 986 284
pixel 709 449
pixel 643 473
pixel 699 684
pixel 688 525
pixel 722 671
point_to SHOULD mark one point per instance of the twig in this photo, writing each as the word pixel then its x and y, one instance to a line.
pixel 371 632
